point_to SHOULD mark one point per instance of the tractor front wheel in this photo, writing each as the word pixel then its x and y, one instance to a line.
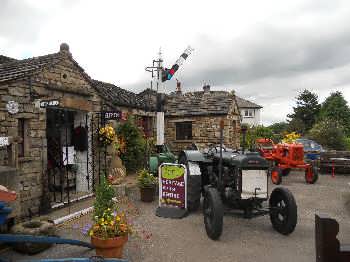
pixel 283 211
pixel 213 212
pixel 311 175
pixel 276 175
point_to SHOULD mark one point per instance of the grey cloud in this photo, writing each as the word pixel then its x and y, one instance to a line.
pixel 19 22
pixel 274 53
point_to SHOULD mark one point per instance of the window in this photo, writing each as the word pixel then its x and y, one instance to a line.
pixel 184 131
pixel 22 123
pixel 248 113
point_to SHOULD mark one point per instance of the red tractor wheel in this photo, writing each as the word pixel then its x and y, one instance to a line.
pixel 276 175
pixel 311 175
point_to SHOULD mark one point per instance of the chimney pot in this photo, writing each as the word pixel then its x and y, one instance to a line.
pixel 206 88
pixel 64 47
pixel 178 87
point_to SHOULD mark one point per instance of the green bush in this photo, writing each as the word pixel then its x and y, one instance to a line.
pixel 255 132
pixel 146 179
pixel 134 156
pixel 104 197
pixel 347 142
pixel 328 133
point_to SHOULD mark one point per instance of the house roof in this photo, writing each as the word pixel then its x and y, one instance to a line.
pixel 199 103
pixel 19 69
pixel 6 59
pixel 242 103
pixel 117 95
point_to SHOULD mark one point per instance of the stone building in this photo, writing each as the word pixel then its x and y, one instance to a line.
pixel 50 111
pixel 194 117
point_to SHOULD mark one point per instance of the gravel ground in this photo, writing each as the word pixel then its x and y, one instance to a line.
pixel 163 239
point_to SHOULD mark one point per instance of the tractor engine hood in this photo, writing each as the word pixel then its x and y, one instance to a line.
pixel 249 160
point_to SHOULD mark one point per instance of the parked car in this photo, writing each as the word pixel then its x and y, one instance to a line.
pixel 312 150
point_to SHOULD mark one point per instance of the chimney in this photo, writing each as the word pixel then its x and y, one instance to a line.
pixel 206 88
pixel 64 48
pixel 178 87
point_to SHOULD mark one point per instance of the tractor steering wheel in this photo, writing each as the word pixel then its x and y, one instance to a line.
pixel 215 147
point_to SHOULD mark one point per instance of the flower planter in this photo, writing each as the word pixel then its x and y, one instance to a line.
pixel 110 247
pixel 147 193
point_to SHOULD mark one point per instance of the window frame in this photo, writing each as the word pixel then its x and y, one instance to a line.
pixel 180 135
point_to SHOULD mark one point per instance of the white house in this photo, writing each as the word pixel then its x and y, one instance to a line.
pixel 250 112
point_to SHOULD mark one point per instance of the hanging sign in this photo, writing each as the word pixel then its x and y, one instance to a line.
pixel 4 141
pixel 112 115
pixel 12 107
pixel 49 103
pixel 172 190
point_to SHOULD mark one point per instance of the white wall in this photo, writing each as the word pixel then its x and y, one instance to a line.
pixel 253 119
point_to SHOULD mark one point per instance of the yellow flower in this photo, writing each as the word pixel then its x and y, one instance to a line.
pixel 117 218
pixel 91 233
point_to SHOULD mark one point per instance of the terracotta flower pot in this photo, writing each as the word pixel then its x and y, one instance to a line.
pixel 109 248
pixel 147 193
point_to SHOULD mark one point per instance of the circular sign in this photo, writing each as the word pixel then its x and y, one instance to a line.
pixel 12 107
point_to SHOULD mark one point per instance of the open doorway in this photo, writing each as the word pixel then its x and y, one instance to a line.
pixel 67 156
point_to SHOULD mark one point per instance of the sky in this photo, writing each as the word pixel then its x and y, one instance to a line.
pixel 267 51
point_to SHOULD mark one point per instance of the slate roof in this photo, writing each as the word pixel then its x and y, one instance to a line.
pixel 12 69
pixel 117 95
pixel 5 59
pixel 199 103
pixel 148 98
pixel 242 103
pixel 19 69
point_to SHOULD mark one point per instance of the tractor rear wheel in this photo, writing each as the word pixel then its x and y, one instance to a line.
pixel 276 175
pixel 311 175
pixel 213 212
pixel 194 185
pixel 283 211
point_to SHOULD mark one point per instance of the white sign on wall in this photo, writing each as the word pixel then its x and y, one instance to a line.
pixel 70 157
pixel 12 107
pixel 4 141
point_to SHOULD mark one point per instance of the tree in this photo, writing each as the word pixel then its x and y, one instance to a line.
pixel 306 111
pixel 335 107
pixel 279 128
pixel 329 133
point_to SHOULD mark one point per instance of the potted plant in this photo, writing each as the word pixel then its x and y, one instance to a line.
pixel 147 184
pixel 110 230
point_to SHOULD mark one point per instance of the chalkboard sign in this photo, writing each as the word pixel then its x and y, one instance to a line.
pixel 172 191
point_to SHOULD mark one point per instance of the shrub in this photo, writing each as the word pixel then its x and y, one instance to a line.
pixel 328 133
pixel 134 154
pixel 104 197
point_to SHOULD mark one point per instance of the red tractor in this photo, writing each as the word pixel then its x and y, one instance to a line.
pixel 285 157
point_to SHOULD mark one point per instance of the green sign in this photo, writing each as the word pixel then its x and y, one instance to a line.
pixel 172 172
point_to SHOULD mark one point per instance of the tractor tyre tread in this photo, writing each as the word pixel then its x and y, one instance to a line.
pixel 289 225
pixel 214 230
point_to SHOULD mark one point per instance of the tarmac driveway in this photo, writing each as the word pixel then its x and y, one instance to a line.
pixel 164 239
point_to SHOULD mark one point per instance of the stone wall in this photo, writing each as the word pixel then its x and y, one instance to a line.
pixel 64 82
pixel 205 131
